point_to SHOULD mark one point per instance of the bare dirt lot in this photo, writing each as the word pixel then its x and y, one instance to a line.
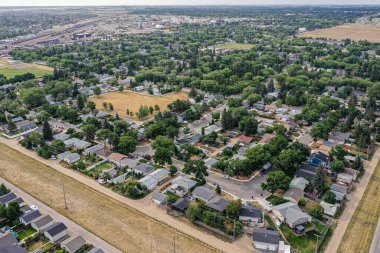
pixel 132 101
pixel 361 229
pixel 114 222
pixel 354 32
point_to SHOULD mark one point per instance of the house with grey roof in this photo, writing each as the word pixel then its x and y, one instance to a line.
pixel 291 214
pixel 217 203
pixel 63 155
pixel 72 158
pixel 294 195
pixel 210 162
pixel 182 185
pixel 340 191
pixel 143 169
pixel 160 198
pixel 264 239
pixel 61 136
pixel 251 216
pixel 202 193
pixel 25 125
pixel 72 245
pixel 80 144
pixel 7 198
pixel 56 232
pixel 9 244
pixel 42 222
pixel 17 200
pixel 70 142
pixel 153 179
pixel 29 217
pixel 329 209
pixel 92 150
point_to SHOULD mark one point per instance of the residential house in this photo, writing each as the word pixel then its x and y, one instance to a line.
pixel 351 172
pixel 339 190
pixel 61 136
pixel 72 158
pixel 306 139
pixel 9 244
pixel 143 169
pixel 25 125
pixel 190 139
pixel 283 248
pixel 96 250
pixel 213 128
pixel 122 160
pixel 318 158
pixel 29 217
pixel 17 200
pixel 238 157
pixel 217 203
pixel 120 179
pixel 294 195
pixel 7 198
pixel 291 214
pixel 266 138
pixel 153 179
pixel 299 183
pixel 63 155
pixel 345 178
pixel 264 239
pixel 245 139
pixel 182 185
pixel 92 150
pixel 306 171
pixel 181 205
pixel 103 153
pixel 202 193
pixel 241 151
pixel 41 223
pixel 56 232
pixel 70 142
pixel 210 162
pixel 329 209
pixel 251 216
pixel 160 198
pixel 339 137
pixel 80 144
pixel 72 245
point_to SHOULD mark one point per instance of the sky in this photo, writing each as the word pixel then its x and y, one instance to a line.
pixel 180 2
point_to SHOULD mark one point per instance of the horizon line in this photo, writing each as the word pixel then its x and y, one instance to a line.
pixel 194 5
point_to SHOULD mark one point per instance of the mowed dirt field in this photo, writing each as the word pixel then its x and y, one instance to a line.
pixel 131 100
pixel 354 32
pixel 362 226
pixel 114 222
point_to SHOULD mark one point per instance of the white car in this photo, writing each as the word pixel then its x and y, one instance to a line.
pixel 102 181
pixel 226 177
pixel 34 207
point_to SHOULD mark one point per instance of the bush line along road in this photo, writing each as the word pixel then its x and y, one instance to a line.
pixel 121 222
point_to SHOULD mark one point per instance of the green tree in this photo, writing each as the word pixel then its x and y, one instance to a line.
pixel 47 131
pixel 80 102
pixel 329 197
pixel 198 168
pixel 358 163
pixel 337 166
pixel 32 97
pixel 173 170
pixel 318 182
pixel 164 148
pixel 218 190
pixel 316 211
pixel 276 180
pixel 127 145
pixel 89 131
pixel 97 91
pixel 233 209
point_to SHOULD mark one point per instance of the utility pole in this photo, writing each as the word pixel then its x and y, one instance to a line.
pixel 64 193
pixel 174 244
pixel 316 248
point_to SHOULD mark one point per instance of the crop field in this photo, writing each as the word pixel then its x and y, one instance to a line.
pixel 11 68
pixel 234 46
pixel 132 101
pixel 115 222
pixel 354 32
pixel 362 226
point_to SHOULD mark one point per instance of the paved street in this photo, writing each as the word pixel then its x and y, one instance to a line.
pixel 73 228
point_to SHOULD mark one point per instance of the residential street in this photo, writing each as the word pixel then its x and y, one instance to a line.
pixel 73 228
pixel 151 211
pixel 352 203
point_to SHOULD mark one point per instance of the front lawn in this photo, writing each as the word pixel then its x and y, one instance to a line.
pixel 172 197
pixel 276 200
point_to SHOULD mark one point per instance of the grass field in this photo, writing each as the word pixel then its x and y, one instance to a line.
pixel 132 101
pixel 115 222
pixel 354 32
pixel 11 69
pixel 362 226
pixel 234 46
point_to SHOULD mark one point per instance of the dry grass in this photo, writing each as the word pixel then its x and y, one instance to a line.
pixel 116 223
pixel 122 101
pixel 354 32
pixel 362 226
pixel 238 46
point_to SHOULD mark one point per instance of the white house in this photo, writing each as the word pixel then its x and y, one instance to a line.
pixel 329 209
pixel 56 232
pixel 266 239
pixel 42 223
